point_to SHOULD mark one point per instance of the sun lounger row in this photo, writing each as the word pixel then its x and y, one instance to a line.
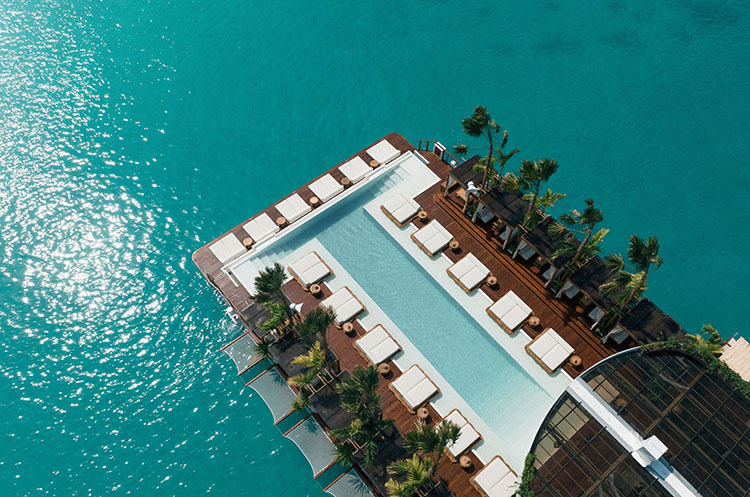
pixel 549 350
pixel 377 345
pixel 496 479
pixel 469 272
pixel 509 312
pixel 413 388
pixel 309 270
pixel 345 304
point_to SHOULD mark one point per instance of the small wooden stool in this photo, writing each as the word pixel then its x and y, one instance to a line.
pixel 247 242
pixel 314 202
pixel 423 413
pixel 422 216
pixel 346 182
pixel 315 289
pixel 534 321
pixel 348 328
pixel 492 281
pixel 575 361
pixel 281 221
pixel 374 163
pixel 384 369
pixel 454 245
pixel 465 462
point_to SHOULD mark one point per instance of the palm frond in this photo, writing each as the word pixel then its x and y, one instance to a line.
pixel 614 263
pixel 461 149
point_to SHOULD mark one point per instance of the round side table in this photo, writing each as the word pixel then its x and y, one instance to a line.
pixel 384 369
pixel 348 328
pixel 454 245
pixel 314 202
pixel 281 221
pixel 374 163
pixel 465 462
pixel 534 321
pixel 247 242
pixel 346 182
pixel 575 361
pixel 315 289
pixel 492 281
pixel 422 216
pixel 423 413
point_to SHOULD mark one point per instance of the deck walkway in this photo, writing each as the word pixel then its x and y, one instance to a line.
pixel 568 319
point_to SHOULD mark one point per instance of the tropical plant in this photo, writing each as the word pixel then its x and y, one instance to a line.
pixel 478 124
pixel 268 285
pixel 316 323
pixel 524 488
pixel 567 242
pixel 548 199
pixel 417 473
pixel 344 453
pixel 708 339
pixel 277 316
pixel 529 179
pixel 428 441
pixel 263 348
pixel 499 158
pixel 300 402
pixel 627 286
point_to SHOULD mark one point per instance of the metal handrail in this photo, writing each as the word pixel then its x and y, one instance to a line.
pixel 429 146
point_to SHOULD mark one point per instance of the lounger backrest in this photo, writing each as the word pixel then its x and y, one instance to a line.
pixel 496 479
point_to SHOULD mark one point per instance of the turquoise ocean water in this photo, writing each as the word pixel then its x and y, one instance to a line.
pixel 132 132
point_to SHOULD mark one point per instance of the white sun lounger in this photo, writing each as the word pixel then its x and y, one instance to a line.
pixel 413 388
pixel 293 208
pixel 227 248
pixel 355 169
pixel 509 312
pixel 309 269
pixel 377 345
pixel 261 227
pixel 496 479
pixel 345 304
pixel 549 350
pixel 383 152
pixel 468 435
pixel 469 272
pixel 326 187
pixel 400 209
pixel 526 251
pixel 432 238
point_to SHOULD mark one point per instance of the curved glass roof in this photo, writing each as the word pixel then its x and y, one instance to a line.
pixel 700 418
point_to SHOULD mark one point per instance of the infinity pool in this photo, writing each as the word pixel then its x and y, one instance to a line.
pixel 509 401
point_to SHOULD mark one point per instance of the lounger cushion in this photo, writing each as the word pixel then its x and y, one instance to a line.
pixel 596 313
pixel 377 345
pixel 433 237
pixel 293 208
pixel 227 248
pixel 468 435
pixel 326 187
pixel 511 310
pixel 344 303
pixel 310 269
pixel 383 152
pixel 414 387
pixel 260 227
pixel 570 290
pixel 496 479
pixel 551 349
pixel 355 169
pixel 401 208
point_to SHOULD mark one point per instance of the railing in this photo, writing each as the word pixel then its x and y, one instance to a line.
pixel 442 152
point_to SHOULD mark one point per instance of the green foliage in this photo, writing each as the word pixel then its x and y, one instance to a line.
pixel 263 349
pixel 417 472
pixel 314 359
pixel 268 285
pixel 428 441
pixel 461 149
pixel 713 363
pixel 344 453
pixel 276 319
pixel 478 124
pixel 301 402
pixel 708 339
pixel 529 180
pixel 524 489
pixel 316 323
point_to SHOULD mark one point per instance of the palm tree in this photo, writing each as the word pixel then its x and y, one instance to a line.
pixel 627 286
pixel 712 344
pixel 428 441
pixel 567 241
pixel 263 348
pixel 316 322
pixel 276 319
pixel 268 286
pixel 546 200
pixel 500 156
pixel 344 453
pixel 529 179
pixel 314 360
pixel 418 473
pixel 477 124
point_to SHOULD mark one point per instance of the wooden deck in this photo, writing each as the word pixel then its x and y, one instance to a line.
pixel 568 319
